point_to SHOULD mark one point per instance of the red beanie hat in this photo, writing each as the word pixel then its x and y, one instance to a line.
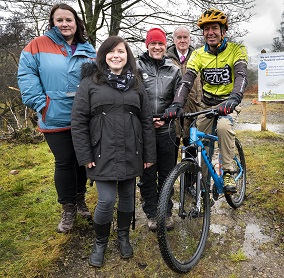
pixel 155 34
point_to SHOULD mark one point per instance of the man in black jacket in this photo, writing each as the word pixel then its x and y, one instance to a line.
pixel 160 77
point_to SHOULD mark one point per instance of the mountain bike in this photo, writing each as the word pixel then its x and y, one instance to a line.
pixel 193 195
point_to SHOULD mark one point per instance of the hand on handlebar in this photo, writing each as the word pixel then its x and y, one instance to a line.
pixel 227 107
pixel 173 111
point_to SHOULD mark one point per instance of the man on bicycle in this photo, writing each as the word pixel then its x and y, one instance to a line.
pixel 223 68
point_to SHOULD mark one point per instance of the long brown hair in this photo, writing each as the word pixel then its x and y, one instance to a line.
pixel 80 35
pixel 110 43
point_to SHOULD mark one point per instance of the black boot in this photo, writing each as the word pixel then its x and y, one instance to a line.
pixel 123 226
pixel 98 252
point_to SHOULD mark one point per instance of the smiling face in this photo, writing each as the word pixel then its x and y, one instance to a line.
pixel 213 34
pixel 156 50
pixel 117 58
pixel 65 21
pixel 182 40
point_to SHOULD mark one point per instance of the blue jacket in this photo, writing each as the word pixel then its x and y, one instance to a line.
pixel 48 78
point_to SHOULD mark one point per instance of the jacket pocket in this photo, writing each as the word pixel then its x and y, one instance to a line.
pixel 96 139
pixel 136 125
pixel 58 110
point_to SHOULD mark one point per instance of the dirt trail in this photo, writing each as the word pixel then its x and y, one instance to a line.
pixel 240 231
pixel 232 231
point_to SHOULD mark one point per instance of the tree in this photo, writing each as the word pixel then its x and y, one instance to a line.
pixel 252 76
pixel 128 18
pixel 13 36
pixel 278 42
pixel 131 18
pixel 277 45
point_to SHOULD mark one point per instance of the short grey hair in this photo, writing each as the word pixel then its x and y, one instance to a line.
pixel 183 27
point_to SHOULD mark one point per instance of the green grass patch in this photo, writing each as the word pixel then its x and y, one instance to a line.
pixel 238 256
pixel 29 212
pixel 29 243
pixel 264 153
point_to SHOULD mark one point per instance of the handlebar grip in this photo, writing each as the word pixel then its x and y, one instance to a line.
pixel 157 115
pixel 160 117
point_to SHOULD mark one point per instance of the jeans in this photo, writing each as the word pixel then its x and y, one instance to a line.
pixel 69 177
pixel 152 179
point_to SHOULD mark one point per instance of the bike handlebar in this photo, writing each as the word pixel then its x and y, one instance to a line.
pixel 209 113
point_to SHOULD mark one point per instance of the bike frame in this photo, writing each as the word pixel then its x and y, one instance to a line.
pixel 183 249
pixel 195 139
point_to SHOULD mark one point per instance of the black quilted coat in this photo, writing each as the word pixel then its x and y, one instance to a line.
pixel 112 128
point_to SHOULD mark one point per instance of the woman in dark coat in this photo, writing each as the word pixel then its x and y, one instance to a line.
pixel 114 138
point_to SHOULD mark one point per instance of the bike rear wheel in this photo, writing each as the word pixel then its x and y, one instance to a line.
pixel 182 247
pixel 235 200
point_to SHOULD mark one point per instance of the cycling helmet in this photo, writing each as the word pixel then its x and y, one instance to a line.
pixel 213 15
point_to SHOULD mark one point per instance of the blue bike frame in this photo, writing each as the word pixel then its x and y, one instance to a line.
pixel 195 139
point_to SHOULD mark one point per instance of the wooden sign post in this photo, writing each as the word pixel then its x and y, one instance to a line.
pixel 263 116
pixel 263 109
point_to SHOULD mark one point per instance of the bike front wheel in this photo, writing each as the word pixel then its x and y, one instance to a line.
pixel 235 200
pixel 182 247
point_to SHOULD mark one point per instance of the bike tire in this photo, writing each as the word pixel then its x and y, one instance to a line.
pixel 182 247
pixel 235 200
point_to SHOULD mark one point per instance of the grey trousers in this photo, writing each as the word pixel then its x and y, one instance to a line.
pixel 107 191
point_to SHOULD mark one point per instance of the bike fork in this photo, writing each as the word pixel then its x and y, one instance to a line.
pixel 198 182
pixel 198 194
pixel 183 177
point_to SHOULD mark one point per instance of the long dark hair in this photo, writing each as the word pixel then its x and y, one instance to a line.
pixel 80 35
pixel 110 43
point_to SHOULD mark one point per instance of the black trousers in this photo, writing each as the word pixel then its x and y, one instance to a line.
pixel 153 178
pixel 69 178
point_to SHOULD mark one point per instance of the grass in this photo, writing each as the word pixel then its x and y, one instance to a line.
pixel 264 157
pixel 29 243
pixel 238 256
pixel 29 211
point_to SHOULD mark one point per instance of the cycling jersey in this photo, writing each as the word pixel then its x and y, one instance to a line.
pixel 223 75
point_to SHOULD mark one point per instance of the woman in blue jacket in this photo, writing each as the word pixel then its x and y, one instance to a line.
pixel 48 77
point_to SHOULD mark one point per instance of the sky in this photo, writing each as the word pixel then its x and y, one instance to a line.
pixel 263 26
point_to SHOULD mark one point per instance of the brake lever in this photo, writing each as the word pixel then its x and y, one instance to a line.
pixel 211 114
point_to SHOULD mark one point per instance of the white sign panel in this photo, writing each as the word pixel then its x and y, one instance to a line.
pixel 271 76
